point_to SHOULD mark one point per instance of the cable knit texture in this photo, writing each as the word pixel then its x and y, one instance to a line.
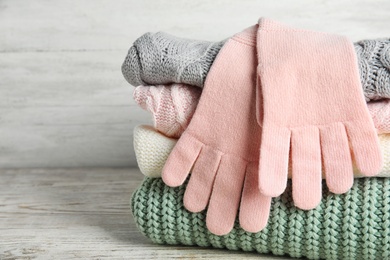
pixel 153 148
pixel 145 63
pixel 374 67
pixel 161 58
pixel 380 113
pixel 351 226
pixel 170 106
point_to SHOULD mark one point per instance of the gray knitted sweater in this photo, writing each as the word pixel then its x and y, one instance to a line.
pixel 161 58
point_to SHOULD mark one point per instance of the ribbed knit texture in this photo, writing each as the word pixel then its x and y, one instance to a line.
pixel 170 106
pixel 351 226
pixel 312 112
pixel 374 67
pixel 380 113
pixel 161 58
pixel 188 61
pixel 219 144
pixel 152 150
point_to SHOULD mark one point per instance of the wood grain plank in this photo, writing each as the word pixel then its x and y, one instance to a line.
pixel 80 214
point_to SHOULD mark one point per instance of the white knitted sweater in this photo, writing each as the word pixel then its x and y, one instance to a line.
pixel 153 148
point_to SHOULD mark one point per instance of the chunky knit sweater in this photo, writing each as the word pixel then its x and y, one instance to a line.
pixel 161 58
pixel 354 226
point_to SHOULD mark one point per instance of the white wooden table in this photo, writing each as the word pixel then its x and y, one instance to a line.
pixel 81 214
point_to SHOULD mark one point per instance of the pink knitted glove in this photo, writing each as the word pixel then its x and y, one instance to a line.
pixel 221 143
pixel 300 73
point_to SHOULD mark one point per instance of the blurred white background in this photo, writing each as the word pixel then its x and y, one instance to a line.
pixel 63 100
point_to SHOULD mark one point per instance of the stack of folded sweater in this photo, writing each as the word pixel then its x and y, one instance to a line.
pixel 178 81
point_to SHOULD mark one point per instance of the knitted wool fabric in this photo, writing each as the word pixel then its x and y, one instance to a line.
pixel 380 113
pixel 170 106
pixel 374 67
pixel 303 122
pixel 153 148
pixel 219 147
pixel 351 226
pixel 161 58
pixel 373 58
pixel 298 103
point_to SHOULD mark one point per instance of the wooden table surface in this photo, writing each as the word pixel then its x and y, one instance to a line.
pixel 81 214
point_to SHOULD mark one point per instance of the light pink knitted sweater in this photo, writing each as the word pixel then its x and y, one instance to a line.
pixel 172 107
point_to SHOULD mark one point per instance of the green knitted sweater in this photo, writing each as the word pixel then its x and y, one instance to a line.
pixel 355 225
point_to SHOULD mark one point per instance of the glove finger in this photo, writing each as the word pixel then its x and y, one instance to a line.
pixel 180 161
pixel 365 147
pixel 337 161
pixel 255 207
pixel 226 194
pixel 200 185
pixel 306 167
pixel 273 162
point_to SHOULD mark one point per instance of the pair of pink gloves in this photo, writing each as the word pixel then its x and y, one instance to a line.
pixel 270 100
